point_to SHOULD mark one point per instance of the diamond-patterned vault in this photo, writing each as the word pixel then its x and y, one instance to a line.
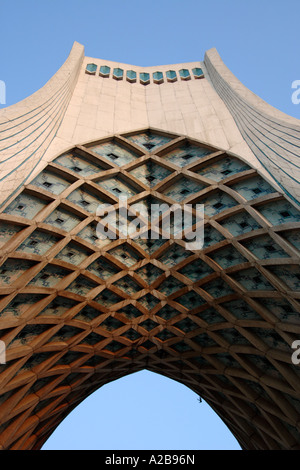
pixel 77 311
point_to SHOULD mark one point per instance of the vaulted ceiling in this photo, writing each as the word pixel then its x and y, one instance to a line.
pixel 77 312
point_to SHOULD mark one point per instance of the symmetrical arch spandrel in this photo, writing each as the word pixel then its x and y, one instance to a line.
pixel 77 312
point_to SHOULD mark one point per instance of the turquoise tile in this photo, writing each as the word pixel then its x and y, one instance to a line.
pixel 79 165
pixel 91 68
pixel 198 72
pixel 25 205
pixel 104 71
pixel 218 170
pixel 149 140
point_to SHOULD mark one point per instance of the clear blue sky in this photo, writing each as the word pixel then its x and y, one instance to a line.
pixel 259 42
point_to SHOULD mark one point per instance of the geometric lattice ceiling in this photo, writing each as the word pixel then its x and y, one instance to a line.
pixel 77 312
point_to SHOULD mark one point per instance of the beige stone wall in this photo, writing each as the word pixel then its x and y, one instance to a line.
pixel 104 106
pixel 75 107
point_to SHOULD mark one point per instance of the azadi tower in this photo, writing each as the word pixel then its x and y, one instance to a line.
pixel 78 311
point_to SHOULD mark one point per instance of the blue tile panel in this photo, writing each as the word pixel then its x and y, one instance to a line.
pixel 158 77
pixel 184 74
pixel 78 165
pixel 223 168
pixel 149 140
pixel 25 205
pixel 115 153
pixel 131 75
pixel 198 72
pixel 104 71
pixel 118 73
pixel 144 78
pixel 186 154
pixel 91 69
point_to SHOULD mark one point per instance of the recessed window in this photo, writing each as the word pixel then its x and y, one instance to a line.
pixel 184 191
pixel 218 205
pixel 104 71
pixel 149 146
pixel 70 254
pixel 270 248
pixel 44 276
pixel 184 74
pixel 144 78
pixel 131 76
pixel 198 72
pixel 285 214
pixel 20 207
pixel 47 184
pixel 117 190
pixel 91 69
pixel 257 190
pixel 84 203
pixel 243 225
pixel 118 74
pixel 150 178
pixel 33 243
pixel 158 77
pixel 171 76
pixel 187 157
pixel 226 172
pixel 112 156
pixel 59 221
pixel 76 169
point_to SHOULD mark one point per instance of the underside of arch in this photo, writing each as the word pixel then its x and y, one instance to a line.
pixel 77 312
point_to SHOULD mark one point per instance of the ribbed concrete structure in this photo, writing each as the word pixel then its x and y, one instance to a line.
pixel 77 312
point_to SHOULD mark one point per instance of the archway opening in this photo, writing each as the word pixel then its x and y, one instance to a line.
pixel 142 411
